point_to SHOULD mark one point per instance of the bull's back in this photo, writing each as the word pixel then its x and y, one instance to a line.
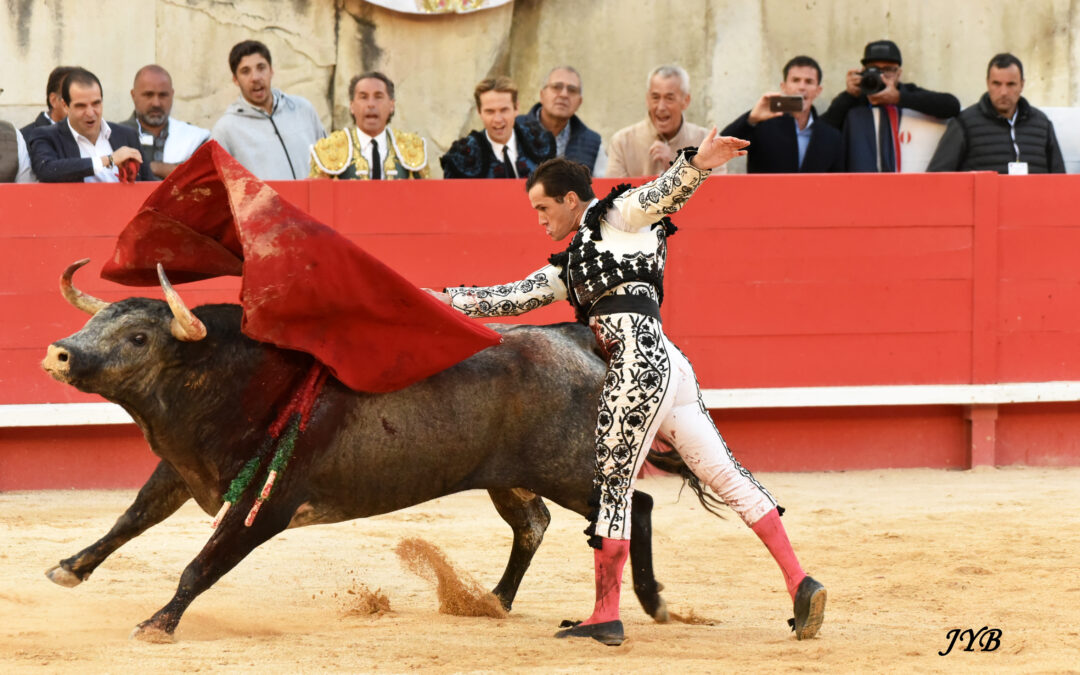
pixel 521 414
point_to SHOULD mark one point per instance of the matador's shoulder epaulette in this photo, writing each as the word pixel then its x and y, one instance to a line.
pixel 411 149
pixel 332 155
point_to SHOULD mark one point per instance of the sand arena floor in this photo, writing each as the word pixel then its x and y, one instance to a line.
pixel 907 555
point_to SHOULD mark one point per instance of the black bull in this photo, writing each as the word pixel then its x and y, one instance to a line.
pixel 517 420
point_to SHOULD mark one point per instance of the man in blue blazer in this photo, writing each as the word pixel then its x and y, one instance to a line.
pixel 790 142
pixel 86 148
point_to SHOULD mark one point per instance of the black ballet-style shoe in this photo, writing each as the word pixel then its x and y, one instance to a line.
pixel 608 632
pixel 809 608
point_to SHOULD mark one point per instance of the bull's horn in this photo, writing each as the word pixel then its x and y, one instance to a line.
pixel 77 298
pixel 185 326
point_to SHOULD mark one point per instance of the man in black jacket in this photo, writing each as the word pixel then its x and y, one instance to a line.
pixel 869 110
pixel 54 111
pixel 86 147
pixel 510 146
pixel 1002 132
pixel 790 143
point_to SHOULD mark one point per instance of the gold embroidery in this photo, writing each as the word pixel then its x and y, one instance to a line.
pixel 411 150
pixel 448 6
pixel 330 155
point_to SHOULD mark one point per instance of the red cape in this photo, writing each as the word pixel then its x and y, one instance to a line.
pixel 305 286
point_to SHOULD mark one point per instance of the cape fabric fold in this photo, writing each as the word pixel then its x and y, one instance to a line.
pixel 305 286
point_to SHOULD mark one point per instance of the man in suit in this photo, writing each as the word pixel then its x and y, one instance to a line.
pixel 86 147
pixel 790 142
pixel 869 110
pixel 54 103
pixel 508 147
pixel 370 150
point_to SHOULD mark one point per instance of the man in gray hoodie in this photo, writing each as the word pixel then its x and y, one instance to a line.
pixel 266 130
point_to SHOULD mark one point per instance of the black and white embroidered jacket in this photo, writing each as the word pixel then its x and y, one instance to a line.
pixel 622 241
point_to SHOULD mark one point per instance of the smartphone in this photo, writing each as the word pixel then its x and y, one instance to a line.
pixel 789 104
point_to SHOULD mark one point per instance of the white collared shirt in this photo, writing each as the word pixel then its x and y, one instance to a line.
pixel 497 148
pixel 802 136
pixel 95 151
pixel 365 147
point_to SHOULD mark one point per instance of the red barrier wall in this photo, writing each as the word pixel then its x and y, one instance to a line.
pixel 773 281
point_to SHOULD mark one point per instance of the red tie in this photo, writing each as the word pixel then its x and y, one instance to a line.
pixel 894 123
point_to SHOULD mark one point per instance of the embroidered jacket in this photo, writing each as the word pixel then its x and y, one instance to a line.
pixel 472 156
pixel 622 242
pixel 338 156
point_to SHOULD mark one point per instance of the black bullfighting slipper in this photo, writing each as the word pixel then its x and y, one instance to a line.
pixel 809 608
pixel 608 632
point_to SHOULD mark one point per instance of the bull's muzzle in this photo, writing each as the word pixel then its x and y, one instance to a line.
pixel 57 363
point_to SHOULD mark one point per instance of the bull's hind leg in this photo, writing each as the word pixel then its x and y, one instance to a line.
pixel 162 495
pixel 230 543
pixel 646 587
pixel 527 515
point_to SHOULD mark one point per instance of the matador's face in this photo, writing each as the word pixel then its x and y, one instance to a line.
pixel 558 217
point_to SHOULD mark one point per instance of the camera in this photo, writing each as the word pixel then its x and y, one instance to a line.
pixel 871 81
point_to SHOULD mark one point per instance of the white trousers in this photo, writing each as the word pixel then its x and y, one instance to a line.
pixel 650 388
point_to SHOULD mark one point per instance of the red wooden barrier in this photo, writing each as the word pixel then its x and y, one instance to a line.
pixel 774 281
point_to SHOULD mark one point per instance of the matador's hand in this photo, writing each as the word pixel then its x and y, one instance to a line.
pixel 716 150
pixel 438 295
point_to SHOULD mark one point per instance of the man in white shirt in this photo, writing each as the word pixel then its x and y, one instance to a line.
pixel 507 147
pixel 165 142
pixel 265 129
pixel 370 150
pixel 85 147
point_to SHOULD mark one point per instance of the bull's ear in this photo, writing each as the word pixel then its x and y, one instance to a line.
pixel 77 298
pixel 185 326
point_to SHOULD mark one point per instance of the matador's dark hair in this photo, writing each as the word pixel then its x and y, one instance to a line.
pixel 559 175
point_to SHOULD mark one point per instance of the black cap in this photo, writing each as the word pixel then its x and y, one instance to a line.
pixel 882 50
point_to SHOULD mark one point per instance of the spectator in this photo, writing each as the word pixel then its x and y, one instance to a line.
pixel 1001 129
pixel 54 103
pixel 876 92
pixel 165 142
pixel 14 159
pixel 86 147
pixel 370 149
pixel 266 130
pixel 560 98
pixel 648 147
pixel 790 143
pixel 507 147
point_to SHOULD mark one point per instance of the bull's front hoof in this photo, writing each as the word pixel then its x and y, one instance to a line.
pixel 660 614
pixel 152 634
pixel 62 577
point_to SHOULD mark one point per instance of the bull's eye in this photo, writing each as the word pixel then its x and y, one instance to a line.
pixel 138 339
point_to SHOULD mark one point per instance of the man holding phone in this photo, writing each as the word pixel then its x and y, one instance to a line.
pixel 781 128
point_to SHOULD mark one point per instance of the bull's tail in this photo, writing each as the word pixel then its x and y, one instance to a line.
pixel 665 457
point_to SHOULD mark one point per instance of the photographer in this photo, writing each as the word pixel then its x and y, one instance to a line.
pixel 790 141
pixel 876 92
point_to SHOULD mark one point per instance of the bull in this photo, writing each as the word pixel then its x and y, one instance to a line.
pixel 517 420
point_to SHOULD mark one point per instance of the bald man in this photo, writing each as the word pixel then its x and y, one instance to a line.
pixel 165 142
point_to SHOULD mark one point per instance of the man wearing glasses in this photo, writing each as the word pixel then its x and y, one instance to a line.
pixel 869 110
pixel 560 98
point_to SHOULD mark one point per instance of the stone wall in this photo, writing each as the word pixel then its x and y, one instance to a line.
pixel 733 50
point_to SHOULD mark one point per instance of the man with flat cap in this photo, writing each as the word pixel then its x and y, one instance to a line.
pixel 869 110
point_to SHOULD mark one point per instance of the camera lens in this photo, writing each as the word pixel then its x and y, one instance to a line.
pixel 871 81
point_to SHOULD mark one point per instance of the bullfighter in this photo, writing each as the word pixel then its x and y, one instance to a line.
pixel 612 274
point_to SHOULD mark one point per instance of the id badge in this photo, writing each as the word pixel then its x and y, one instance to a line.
pixel 1018 168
